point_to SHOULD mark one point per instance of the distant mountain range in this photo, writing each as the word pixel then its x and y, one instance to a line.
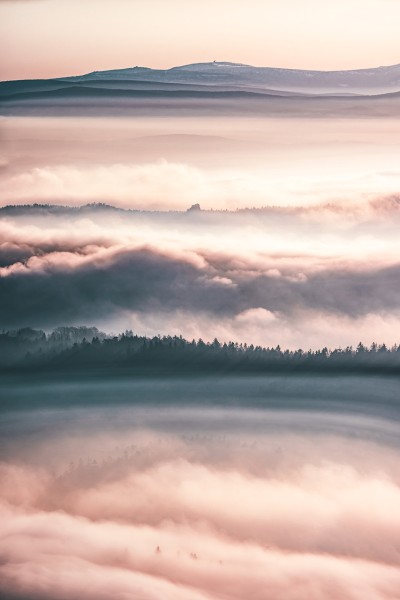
pixel 363 81
pixel 211 86
pixel 229 76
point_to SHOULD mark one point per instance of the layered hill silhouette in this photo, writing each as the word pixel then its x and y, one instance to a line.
pixel 206 86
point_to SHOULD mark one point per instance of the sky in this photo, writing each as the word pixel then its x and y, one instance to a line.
pixel 50 38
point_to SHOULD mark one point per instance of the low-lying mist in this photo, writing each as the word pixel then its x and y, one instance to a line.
pixel 169 490
pixel 299 277
pixel 222 162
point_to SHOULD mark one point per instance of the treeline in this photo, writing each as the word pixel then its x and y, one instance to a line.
pixel 86 348
pixel 16 210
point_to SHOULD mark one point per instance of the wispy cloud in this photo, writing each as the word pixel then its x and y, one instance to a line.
pixel 285 276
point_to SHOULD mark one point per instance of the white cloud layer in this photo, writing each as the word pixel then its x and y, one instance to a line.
pixel 203 516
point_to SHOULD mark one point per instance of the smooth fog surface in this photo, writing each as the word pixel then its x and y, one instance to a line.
pixel 222 162
pixel 292 493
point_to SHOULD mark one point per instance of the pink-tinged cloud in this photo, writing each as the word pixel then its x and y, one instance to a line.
pixel 300 277
pixel 173 518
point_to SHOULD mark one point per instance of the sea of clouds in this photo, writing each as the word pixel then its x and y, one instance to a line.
pixel 197 502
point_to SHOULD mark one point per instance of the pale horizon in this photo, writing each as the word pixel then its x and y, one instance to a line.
pixel 199 62
pixel 56 38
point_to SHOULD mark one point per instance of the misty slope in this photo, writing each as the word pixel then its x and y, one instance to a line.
pixel 83 348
